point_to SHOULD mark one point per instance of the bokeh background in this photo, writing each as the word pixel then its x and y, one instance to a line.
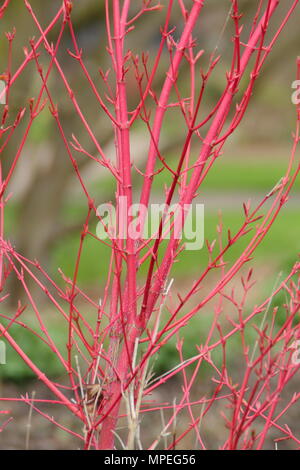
pixel 47 210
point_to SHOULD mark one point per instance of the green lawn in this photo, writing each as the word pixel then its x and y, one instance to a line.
pixel 279 249
pixel 255 176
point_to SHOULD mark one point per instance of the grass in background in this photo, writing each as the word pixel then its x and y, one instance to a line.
pixel 255 176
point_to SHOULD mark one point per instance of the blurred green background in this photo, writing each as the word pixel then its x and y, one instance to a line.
pixel 47 210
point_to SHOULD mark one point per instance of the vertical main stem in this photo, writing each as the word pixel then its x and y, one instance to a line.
pixel 128 308
pixel 123 138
